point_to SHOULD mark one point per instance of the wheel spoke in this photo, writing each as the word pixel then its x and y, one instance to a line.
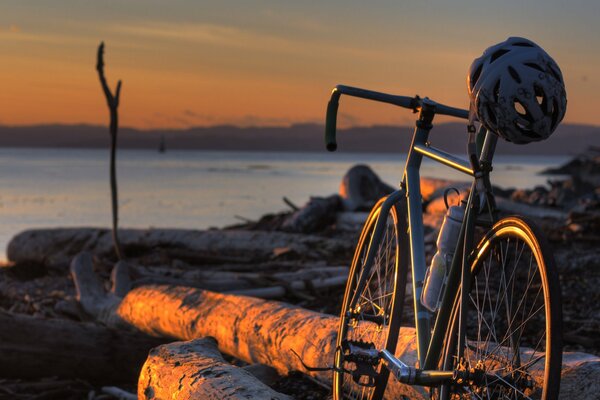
pixel 506 325
pixel 375 299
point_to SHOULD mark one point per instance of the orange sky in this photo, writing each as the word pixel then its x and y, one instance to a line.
pixel 270 63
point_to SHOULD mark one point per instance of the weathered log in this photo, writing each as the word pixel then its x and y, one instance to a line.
pixel 56 247
pixel 224 281
pixel 32 348
pixel 196 370
pixel 354 221
pixel 350 221
pixel 259 331
pixel 317 214
pixel 275 292
pixel 513 207
pixel 90 291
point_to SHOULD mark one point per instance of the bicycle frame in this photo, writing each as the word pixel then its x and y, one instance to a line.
pixel 430 344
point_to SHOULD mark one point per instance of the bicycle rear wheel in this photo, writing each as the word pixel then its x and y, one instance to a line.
pixel 513 346
pixel 372 319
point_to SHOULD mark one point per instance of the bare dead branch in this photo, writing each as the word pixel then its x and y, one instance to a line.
pixel 113 104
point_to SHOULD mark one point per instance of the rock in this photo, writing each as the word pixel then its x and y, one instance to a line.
pixel 361 188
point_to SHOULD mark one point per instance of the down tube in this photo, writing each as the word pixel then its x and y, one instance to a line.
pixel 417 253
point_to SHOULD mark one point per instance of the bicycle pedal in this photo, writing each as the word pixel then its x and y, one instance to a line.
pixel 361 351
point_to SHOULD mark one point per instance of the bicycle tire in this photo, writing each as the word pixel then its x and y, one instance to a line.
pixel 514 317
pixel 386 292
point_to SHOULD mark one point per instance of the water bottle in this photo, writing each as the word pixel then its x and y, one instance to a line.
pixel 437 273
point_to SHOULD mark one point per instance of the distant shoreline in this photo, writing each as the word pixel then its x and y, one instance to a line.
pixel 568 140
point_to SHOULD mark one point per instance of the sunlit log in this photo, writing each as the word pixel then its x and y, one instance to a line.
pixel 196 370
pixel 260 331
pixel 267 332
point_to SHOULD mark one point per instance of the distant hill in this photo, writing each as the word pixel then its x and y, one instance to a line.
pixel 569 139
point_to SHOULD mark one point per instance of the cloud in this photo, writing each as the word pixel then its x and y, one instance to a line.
pixel 242 38
pixel 15 33
pixel 212 34
pixel 238 120
pixel 190 118
pixel 348 119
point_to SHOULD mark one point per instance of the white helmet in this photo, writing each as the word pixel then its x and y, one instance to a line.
pixel 517 91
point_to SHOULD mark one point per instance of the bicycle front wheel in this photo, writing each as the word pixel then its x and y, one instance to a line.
pixel 371 318
pixel 513 345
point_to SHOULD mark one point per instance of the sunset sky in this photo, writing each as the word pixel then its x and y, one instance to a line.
pixel 196 62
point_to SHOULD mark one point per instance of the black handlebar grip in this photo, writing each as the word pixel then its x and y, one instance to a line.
pixel 330 123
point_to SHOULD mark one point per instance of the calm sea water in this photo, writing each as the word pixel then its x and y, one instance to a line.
pixel 192 189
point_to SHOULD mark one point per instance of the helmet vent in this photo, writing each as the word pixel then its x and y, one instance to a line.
pixel 497 54
pixel 475 75
pixel 527 132
pixel 523 44
pixel 514 74
pixel 496 91
pixel 521 126
pixel 520 108
pixel 535 66
pixel 540 97
pixel 555 74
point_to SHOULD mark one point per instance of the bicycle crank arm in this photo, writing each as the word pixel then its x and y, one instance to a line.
pixel 411 375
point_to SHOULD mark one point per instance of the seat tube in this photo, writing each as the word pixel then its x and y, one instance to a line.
pixel 416 232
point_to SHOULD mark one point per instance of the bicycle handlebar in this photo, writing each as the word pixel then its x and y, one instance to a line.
pixel 413 103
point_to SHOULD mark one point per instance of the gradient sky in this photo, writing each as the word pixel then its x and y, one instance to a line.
pixel 193 62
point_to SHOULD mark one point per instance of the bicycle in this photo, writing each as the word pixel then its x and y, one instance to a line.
pixel 497 330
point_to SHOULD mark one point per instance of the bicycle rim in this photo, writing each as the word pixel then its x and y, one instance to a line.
pixel 386 281
pixel 513 334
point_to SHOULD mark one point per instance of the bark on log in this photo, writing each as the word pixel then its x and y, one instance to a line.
pixel 196 370
pixel 32 348
pixel 56 247
pixel 259 331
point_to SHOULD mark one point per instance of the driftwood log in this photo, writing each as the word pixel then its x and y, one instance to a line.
pixel 318 213
pixel 32 348
pixel 227 281
pixel 269 332
pixel 57 247
pixel 361 188
pixel 197 370
pixel 266 332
